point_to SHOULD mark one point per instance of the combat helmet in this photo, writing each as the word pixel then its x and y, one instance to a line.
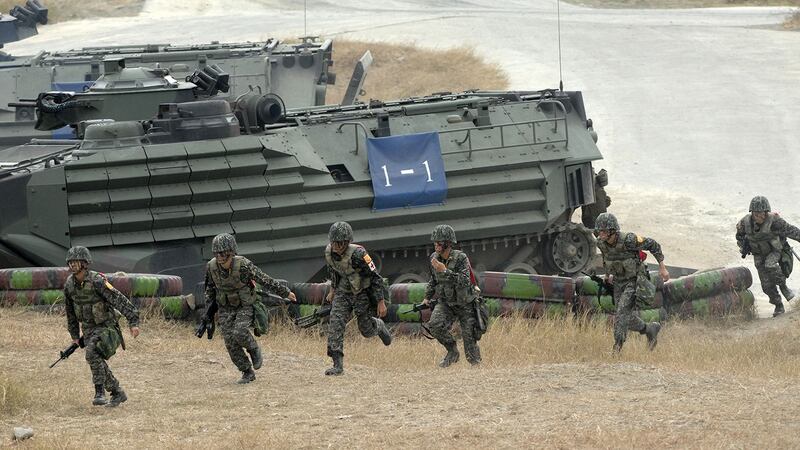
pixel 606 221
pixel 79 253
pixel 759 203
pixel 224 242
pixel 602 178
pixel 340 231
pixel 443 233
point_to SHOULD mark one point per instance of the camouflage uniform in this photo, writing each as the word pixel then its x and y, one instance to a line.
pixel 358 287
pixel 631 280
pixel 90 307
pixel 233 291
pixel 455 293
pixel 768 244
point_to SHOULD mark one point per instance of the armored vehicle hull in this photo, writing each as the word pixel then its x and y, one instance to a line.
pixel 297 72
pixel 511 168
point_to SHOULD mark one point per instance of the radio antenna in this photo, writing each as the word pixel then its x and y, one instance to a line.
pixel 558 20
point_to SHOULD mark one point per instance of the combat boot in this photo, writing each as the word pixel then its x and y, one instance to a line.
pixel 99 395
pixel 117 396
pixel 787 293
pixel 337 368
pixel 255 357
pixel 383 332
pixel 778 309
pixel 617 349
pixel 651 331
pixel 451 357
pixel 247 376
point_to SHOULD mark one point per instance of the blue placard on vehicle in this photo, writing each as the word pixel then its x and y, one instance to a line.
pixel 406 171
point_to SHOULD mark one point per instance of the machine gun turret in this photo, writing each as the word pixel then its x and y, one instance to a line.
pixel 20 23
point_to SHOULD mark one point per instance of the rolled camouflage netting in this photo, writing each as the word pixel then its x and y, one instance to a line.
pixel 26 278
pixel 310 293
pixel 722 304
pixel 526 287
pixel 707 284
pixel 171 307
pixel 52 278
pixel 31 297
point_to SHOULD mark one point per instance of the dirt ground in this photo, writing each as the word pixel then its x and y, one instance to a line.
pixel 553 384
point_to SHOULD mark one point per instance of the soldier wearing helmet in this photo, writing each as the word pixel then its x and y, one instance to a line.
pixel 230 289
pixel 91 302
pixel 625 268
pixel 451 283
pixel 356 287
pixel 764 234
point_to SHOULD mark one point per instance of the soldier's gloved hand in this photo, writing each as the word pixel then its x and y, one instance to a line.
pixel 135 332
pixel 426 301
pixel 292 297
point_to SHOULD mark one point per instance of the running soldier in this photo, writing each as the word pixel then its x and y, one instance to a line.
pixel 764 235
pixel 621 260
pixel 91 307
pixel 230 288
pixel 451 283
pixel 356 287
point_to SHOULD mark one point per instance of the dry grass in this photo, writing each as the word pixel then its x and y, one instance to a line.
pixel 403 70
pixel 681 3
pixel 707 385
pixel 14 395
pixel 63 10
pixel 793 22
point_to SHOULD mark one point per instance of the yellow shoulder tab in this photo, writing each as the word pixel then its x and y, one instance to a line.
pixel 639 239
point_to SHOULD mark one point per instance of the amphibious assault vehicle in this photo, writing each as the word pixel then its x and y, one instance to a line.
pixel 297 72
pixel 505 169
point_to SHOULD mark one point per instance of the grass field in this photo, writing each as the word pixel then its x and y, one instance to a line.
pixel 552 382
pixel 63 10
pixel 394 72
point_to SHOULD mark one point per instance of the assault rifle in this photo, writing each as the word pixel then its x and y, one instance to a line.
pixel 417 307
pixel 603 286
pixel 68 351
pixel 746 249
pixel 314 318
pixel 207 325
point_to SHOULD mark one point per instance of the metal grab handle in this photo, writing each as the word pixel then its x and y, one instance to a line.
pixel 356 125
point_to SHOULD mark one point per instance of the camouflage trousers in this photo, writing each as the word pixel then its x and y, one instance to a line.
pixel 770 275
pixel 234 323
pixel 344 305
pixel 443 317
pixel 625 293
pixel 101 373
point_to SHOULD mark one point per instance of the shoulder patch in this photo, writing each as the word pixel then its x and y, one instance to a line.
pixel 370 263
pixel 639 239
pixel 108 285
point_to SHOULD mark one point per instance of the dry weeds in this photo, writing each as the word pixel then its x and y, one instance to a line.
pixel 681 3
pixel 63 10
pixel 551 382
pixel 403 70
